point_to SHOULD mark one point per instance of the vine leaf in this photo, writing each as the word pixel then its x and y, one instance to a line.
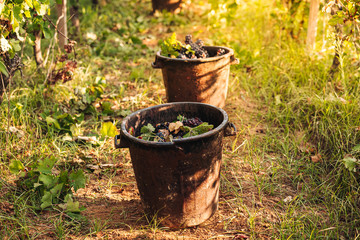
pixel 29 3
pixel 77 179
pixel 46 200
pixel 16 166
pixel 3 69
pixel 350 163
pixel 46 165
pixel 108 129
pixel 70 205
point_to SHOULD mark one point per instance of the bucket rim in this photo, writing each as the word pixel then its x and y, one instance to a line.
pixel 210 133
pixel 201 60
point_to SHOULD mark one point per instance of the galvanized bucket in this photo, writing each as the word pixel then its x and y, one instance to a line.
pixel 197 80
pixel 178 181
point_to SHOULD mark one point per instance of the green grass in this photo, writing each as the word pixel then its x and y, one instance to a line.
pixel 271 186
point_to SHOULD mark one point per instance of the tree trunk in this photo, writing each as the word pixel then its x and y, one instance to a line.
pixel 312 26
pixel 338 32
pixel 74 15
pixel 62 25
pixel 37 49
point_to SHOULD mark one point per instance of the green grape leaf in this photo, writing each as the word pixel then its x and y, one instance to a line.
pixel 356 148
pixel 46 200
pixel 52 122
pixel 70 205
pixel 181 118
pixel 17 13
pixel 56 191
pixel 106 108
pixel 14 22
pixel 46 30
pixel 2 5
pixel 335 20
pixel 77 179
pixel 350 163
pixel 3 69
pixel 46 165
pixel 202 128
pixel 16 166
pixel 147 132
pixel 37 185
pixel 48 180
pixel 149 128
pixel 15 45
pixel 29 3
pixel 27 14
pixel 170 46
pixel 108 129
pixel 41 9
pixel 351 8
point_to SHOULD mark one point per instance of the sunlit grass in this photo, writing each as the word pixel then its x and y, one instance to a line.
pixel 270 181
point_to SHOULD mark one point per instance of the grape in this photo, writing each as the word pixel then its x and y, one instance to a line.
pixel 220 52
pixel 161 137
pixel 200 43
pixel 200 52
pixel 192 122
pixel 161 126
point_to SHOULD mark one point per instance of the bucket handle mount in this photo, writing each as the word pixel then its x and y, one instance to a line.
pixel 234 60
pixel 230 130
pixel 157 63
pixel 123 142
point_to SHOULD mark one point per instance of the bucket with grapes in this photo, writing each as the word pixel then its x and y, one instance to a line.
pixel 176 153
pixel 193 72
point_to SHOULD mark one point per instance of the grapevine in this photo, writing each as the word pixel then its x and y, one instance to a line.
pixel 18 21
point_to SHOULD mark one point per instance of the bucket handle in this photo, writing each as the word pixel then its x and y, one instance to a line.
pixel 234 60
pixel 123 142
pixel 230 130
pixel 157 63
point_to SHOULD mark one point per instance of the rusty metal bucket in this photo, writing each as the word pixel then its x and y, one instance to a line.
pixel 169 5
pixel 197 80
pixel 178 181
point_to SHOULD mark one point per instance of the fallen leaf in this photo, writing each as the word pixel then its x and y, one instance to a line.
pixel 175 127
pixel 316 158
pixel 19 133
pixel 288 199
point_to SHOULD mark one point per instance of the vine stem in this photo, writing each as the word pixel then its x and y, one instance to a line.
pixel 61 33
pixel 56 28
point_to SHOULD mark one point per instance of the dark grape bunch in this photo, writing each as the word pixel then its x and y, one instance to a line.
pixel 197 50
pixel 192 122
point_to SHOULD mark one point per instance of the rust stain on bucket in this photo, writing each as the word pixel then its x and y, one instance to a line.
pixel 197 80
